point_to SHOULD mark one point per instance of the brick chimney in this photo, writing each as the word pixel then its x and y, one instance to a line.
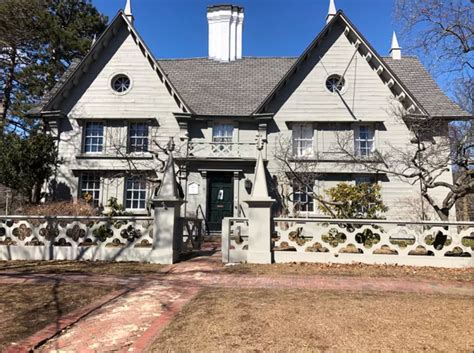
pixel 225 32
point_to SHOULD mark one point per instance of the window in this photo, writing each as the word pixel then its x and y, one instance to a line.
pixel 90 188
pixel 222 139
pixel 365 179
pixel 302 198
pixel 120 83
pixel 335 83
pixel 302 140
pixel 138 137
pixel 93 137
pixel 222 133
pixel 364 143
pixel 135 193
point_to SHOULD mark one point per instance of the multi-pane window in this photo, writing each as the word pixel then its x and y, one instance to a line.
pixel 90 188
pixel 93 137
pixel 364 142
pixel 369 180
pixel 302 135
pixel 138 137
pixel 222 133
pixel 302 198
pixel 135 193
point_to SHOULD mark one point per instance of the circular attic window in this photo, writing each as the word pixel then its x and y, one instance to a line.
pixel 335 83
pixel 120 83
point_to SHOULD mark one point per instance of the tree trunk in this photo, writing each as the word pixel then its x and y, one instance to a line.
pixel 7 91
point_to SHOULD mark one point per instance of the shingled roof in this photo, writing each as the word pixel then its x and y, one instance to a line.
pixel 420 83
pixel 236 88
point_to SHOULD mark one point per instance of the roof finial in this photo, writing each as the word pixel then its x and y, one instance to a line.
pixel 395 50
pixel 128 10
pixel 331 11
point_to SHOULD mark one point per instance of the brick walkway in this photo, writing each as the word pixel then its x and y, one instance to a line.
pixel 130 322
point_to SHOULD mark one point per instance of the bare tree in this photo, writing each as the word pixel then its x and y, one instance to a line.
pixel 441 32
pixel 436 149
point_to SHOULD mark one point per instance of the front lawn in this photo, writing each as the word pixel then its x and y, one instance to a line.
pixel 27 308
pixel 301 320
pixel 355 270
pixel 82 267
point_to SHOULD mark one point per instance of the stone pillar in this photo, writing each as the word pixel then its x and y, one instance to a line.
pixel 167 230
pixel 260 204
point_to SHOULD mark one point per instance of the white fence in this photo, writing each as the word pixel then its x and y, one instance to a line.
pixel 441 244
pixel 93 238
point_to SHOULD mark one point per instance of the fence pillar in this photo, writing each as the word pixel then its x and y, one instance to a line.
pixel 167 230
pixel 259 214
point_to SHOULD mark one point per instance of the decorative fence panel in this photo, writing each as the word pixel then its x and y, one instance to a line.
pixel 74 238
pixel 373 241
pixel 235 235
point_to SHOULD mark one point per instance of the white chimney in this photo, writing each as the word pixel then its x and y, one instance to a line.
pixel 395 51
pixel 225 32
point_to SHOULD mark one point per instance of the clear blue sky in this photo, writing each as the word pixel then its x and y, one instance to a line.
pixel 178 28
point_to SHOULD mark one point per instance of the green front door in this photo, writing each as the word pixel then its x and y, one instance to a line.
pixel 220 199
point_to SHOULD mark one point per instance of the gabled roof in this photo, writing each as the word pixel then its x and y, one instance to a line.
pixel 420 83
pixel 364 47
pixel 72 74
pixel 234 88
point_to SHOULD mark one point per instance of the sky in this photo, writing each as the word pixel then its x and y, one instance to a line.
pixel 178 28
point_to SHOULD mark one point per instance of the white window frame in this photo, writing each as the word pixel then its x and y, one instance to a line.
pixel 223 133
pixel 132 148
pixel 305 194
pixel 90 179
pixel 86 137
pixel 140 198
pixel 303 145
pixel 369 141
pixel 365 179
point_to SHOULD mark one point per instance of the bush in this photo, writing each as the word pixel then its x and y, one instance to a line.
pixel 61 208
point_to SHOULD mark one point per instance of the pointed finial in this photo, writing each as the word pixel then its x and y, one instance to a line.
pixel 94 40
pixel 331 11
pixel 395 50
pixel 168 189
pixel 128 10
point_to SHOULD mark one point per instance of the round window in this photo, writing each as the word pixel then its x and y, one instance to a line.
pixel 121 83
pixel 335 83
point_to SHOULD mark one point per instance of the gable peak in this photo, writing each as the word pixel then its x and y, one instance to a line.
pixel 331 11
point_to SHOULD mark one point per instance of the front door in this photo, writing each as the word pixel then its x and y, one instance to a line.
pixel 220 200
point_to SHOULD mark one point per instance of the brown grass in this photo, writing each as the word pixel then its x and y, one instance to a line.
pixel 27 308
pixel 356 270
pixel 81 267
pixel 274 320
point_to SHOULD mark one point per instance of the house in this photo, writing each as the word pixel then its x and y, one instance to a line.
pixel 115 111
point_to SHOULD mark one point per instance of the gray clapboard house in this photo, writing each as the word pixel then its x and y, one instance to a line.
pixel 115 110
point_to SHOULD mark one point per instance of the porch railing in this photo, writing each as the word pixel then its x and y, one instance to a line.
pixel 222 149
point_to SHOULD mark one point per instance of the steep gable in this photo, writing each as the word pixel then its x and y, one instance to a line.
pixel 339 32
pixel 118 41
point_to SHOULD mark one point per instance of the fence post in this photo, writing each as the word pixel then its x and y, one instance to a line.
pixel 225 240
pixel 167 233
pixel 260 204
